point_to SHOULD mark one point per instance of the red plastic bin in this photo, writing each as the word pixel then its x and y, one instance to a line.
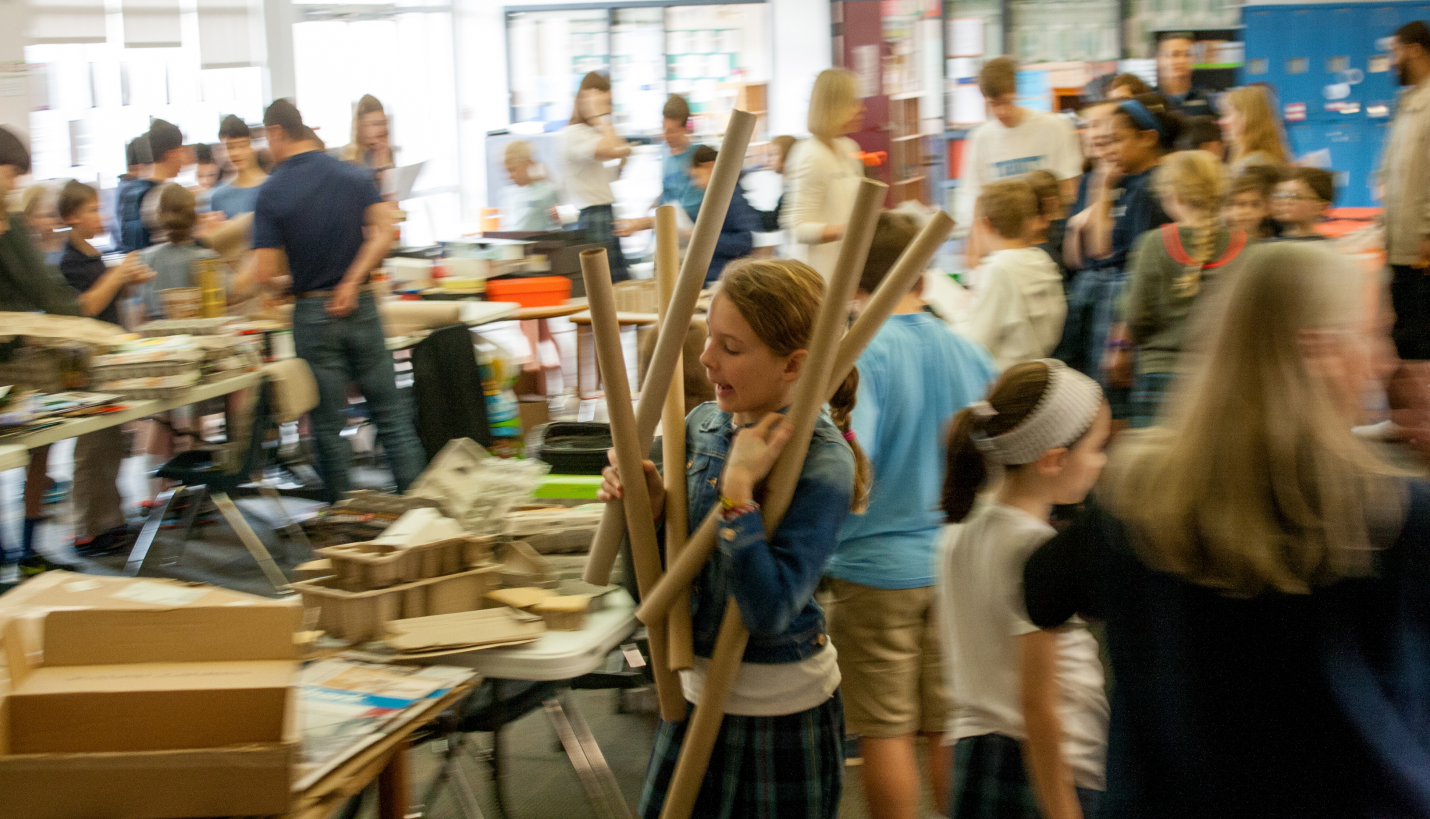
pixel 540 291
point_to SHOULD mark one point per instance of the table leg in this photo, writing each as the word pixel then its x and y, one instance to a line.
pixel 593 753
pixel 392 785
pixel 144 544
pixel 606 804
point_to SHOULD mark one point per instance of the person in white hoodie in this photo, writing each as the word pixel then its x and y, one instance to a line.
pixel 1019 307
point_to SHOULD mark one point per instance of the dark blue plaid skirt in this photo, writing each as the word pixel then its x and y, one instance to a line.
pixel 1149 390
pixel 990 782
pixel 599 223
pixel 762 768
pixel 1092 311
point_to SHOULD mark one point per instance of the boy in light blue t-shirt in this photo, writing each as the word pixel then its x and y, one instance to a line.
pixel 914 376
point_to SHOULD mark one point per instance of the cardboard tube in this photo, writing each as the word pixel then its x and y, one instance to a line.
pixel 809 392
pixel 704 728
pixel 810 395
pixel 677 522
pixel 896 284
pixel 708 224
pixel 645 550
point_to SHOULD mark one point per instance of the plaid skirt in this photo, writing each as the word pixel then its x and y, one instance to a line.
pixel 599 223
pixel 785 767
pixel 1092 311
pixel 990 782
pixel 1149 390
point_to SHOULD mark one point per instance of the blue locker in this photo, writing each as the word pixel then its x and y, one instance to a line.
pixel 1354 146
pixel 1263 54
pixel 1379 86
pixel 1300 81
pixel 1337 39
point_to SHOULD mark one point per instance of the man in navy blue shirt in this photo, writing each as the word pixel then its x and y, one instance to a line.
pixel 335 229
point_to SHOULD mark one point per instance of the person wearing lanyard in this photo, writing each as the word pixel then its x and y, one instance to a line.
pixel 317 209
pixel 587 144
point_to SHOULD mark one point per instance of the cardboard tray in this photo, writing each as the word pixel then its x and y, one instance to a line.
pixel 362 616
pixel 367 566
pixel 555 529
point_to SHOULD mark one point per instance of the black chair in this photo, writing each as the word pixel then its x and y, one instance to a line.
pixel 447 390
pixel 205 474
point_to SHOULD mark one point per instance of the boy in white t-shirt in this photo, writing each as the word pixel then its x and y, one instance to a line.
pixel 1020 305
pixel 1013 142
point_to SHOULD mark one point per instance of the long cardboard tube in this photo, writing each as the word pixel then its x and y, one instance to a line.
pixel 645 549
pixel 708 224
pixel 809 398
pixel 672 420
pixel 896 284
pixel 681 572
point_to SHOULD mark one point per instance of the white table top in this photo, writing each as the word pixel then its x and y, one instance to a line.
pixel 13 456
pixel 473 313
pixel 557 655
pixel 133 411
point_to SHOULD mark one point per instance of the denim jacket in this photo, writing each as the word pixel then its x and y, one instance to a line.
pixel 772 581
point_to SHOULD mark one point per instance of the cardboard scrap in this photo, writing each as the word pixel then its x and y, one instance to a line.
pixel 522 598
pixel 564 612
pixel 522 566
pixel 464 631
pixel 419 526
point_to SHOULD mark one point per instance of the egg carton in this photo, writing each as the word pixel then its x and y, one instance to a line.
pixel 554 529
pixel 367 566
pixel 360 616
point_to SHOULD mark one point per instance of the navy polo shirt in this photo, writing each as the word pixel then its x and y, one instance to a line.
pixel 1136 210
pixel 313 208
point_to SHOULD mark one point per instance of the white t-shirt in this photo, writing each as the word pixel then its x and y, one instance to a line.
pixel 980 605
pixel 1041 141
pixel 772 689
pixel 1020 305
pixel 588 180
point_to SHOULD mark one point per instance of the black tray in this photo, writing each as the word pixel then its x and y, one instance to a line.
pixel 574 448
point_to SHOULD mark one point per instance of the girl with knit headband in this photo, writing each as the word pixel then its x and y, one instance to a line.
pixel 1028 716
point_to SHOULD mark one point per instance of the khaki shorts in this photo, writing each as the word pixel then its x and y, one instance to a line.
pixel 889 658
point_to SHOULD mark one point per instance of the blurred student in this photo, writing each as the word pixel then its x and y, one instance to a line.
pixel 914 376
pixel 588 142
pixel 28 285
pixel 37 204
pixel 1302 198
pixel 1248 204
pixel 1249 128
pixel 1052 216
pixel 1028 714
pixel 206 169
pixel 100 528
pixel 129 196
pixel 370 147
pixel 238 195
pixel 780 145
pixel 529 204
pixel 173 261
pixel 1020 306
pixel 1170 273
pixel 1202 134
pixel 1013 142
pixel 823 172
pixel 737 236
pixel 1174 76
pixel 1124 86
pixel 139 217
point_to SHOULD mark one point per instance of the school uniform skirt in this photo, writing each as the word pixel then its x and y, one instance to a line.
pixel 762 767
pixel 599 222
pixel 990 782
pixel 1092 312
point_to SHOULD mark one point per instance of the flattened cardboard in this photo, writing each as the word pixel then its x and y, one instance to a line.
pixel 465 630
pixel 564 612
pixel 419 526
pixel 521 598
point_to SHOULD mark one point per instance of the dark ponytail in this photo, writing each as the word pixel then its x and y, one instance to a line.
pixel 841 409
pixel 1013 397
pixel 1168 124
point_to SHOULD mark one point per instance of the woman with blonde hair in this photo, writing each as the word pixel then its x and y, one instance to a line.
pixel 823 172
pixel 1261 570
pixel 369 146
pixel 1249 125
pixel 1171 270
pixel 588 142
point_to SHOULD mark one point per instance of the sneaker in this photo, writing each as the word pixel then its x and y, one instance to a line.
pixel 58 491
pixel 105 543
pixel 39 564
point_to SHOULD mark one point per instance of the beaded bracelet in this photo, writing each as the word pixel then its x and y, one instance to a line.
pixel 730 509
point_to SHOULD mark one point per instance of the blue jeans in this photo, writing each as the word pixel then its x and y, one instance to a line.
pixel 353 348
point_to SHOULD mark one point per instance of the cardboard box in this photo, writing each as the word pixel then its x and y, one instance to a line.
pixel 417 527
pixel 107 671
pixel 374 565
pixel 450 633
pixel 364 615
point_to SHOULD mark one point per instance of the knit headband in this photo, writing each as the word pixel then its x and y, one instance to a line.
pixel 1069 405
pixel 1143 116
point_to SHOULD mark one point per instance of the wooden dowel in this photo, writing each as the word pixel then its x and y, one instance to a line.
pixel 645 549
pixel 809 392
pixel 667 268
pixel 708 224
pixel 681 572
